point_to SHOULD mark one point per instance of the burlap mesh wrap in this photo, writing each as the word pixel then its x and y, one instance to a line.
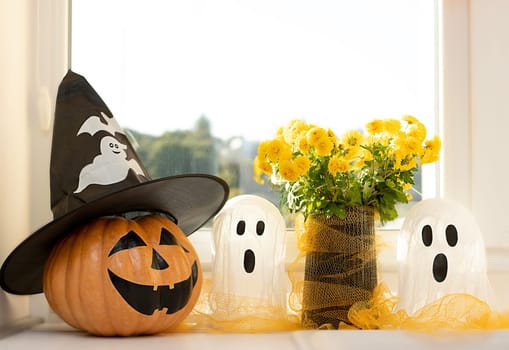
pixel 340 266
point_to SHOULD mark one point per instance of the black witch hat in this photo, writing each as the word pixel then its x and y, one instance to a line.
pixel 95 172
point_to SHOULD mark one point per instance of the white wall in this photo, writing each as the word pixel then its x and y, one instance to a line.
pixel 476 112
pixel 33 37
pixel 14 139
pixel 489 71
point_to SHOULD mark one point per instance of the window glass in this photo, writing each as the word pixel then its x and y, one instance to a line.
pixel 200 83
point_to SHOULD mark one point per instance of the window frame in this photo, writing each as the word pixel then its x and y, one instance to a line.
pixel 453 93
pixel 454 115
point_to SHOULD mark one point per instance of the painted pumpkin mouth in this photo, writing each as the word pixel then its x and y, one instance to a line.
pixel 145 299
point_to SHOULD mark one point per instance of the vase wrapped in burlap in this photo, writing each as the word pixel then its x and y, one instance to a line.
pixel 340 266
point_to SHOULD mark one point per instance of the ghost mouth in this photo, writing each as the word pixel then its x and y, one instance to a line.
pixel 440 267
pixel 249 261
pixel 145 299
pixel 116 152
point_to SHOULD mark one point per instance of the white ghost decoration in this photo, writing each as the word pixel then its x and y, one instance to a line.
pixel 109 167
pixel 440 251
pixel 248 254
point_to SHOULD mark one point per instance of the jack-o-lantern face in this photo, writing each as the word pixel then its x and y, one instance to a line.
pixel 115 276
pixel 167 290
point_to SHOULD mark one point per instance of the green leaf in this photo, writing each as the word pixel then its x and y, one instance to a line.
pixel 401 197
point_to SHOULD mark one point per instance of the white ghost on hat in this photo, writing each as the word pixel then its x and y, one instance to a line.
pixel 109 167
pixel 440 251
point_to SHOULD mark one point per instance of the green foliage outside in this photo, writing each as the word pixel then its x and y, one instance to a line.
pixel 194 151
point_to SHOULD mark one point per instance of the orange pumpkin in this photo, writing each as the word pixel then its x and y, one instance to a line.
pixel 115 276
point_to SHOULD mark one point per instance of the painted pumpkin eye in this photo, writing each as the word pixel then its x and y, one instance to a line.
pixel 128 241
pixel 167 238
pixel 158 262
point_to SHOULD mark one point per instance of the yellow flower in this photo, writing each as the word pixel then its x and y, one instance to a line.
pixel 260 166
pixel 293 130
pixel 332 136
pixel 366 155
pixel 302 144
pixel 337 165
pixel 431 150
pixel 352 152
pixel 407 187
pixel 359 164
pixel 375 126
pixel 417 131
pixel 404 163
pixel 316 135
pixel 409 145
pixel 413 145
pixel 411 119
pixel 333 166
pixel 324 146
pixel 263 166
pixel 352 138
pixel 370 140
pixel 277 150
pixel 288 170
pixel 302 164
pixel 392 126
pixel 344 166
pixel 263 148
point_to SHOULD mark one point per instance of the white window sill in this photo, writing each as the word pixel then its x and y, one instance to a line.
pixel 59 336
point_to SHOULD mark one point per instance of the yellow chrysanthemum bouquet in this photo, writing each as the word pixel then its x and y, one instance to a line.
pixel 317 172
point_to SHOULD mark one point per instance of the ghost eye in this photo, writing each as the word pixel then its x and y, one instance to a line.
pixel 427 235
pixel 111 144
pixel 167 238
pixel 260 228
pixel 130 240
pixel 241 227
pixel 451 234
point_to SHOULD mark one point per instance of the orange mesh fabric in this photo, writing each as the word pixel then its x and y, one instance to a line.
pixel 339 293
pixel 250 315
pixel 453 312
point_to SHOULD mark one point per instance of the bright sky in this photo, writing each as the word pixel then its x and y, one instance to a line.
pixel 251 66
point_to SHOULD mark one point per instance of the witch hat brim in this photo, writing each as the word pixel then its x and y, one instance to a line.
pixel 191 199
pixel 96 172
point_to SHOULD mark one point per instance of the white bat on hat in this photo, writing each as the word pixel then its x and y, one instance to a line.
pixel 94 124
